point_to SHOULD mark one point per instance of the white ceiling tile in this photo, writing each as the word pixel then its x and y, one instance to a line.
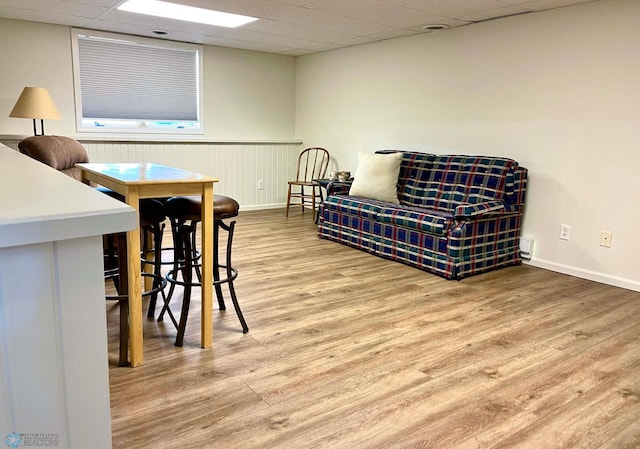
pixel 103 3
pixel 495 13
pixel 269 39
pixel 449 8
pixel 319 19
pixel 285 26
pixel 515 2
pixel 55 7
pixel 295 2
pixel 44 17
pixel 397 32
pixel 245 45
pixel 540 5
pixel 376 11
pixel 290 29
pixel 325 47
pixel 358 41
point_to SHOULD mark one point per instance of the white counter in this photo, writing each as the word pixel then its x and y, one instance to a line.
pixel 54 382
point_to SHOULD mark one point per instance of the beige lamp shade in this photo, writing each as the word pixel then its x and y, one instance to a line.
pixel 35 103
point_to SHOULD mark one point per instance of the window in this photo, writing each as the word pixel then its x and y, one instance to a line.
pixel 131 84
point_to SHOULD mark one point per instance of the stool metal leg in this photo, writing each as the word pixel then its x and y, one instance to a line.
pixel 187 276
pixel 177 257
pixel 232 274
pixel 157 231
pixel 185 262
pixel 216 266
pixel 178 251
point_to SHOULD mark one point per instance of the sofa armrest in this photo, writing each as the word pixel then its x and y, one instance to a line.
pixel 483 209
pixel 338 188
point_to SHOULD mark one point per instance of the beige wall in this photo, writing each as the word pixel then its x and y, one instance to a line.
pixel 248 95
pixel 557 90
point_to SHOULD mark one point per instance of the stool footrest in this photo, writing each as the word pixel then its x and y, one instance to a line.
pixel 171 278
pixel 159 288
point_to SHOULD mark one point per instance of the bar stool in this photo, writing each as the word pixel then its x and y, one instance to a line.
pixel 120 279
pixel 152 217
pixel 184 214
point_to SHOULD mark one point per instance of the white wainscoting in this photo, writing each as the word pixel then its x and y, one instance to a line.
pixel 238 166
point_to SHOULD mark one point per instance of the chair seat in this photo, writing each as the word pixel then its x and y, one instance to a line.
pixel 113 194
pixel 151 212
pixel 189 207
pixel 303 183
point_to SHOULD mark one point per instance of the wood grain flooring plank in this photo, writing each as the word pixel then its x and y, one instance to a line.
pixel 589 421
pixel 347 350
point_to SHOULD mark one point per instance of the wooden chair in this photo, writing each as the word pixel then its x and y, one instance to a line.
pixel 312 164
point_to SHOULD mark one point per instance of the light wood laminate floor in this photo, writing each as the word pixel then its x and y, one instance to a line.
pixel 347 350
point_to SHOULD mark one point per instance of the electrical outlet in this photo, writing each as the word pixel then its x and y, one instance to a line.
pixel 605 239
pixel 260 184
pixel 565 232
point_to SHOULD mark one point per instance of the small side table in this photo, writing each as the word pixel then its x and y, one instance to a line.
pixel 324 183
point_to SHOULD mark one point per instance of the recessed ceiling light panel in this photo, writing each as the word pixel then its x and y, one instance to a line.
pixel 187 13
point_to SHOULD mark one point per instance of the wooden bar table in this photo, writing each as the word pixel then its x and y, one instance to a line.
pixel 136 181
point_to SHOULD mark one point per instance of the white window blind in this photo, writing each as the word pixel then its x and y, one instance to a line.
pixel 137 84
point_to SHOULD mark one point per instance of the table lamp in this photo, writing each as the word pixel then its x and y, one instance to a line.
pixel 35 103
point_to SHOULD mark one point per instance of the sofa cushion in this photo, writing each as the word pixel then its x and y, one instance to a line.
pixel 353 205
pixel 433 222
pixel 473 210
pixel 377 177
pixel 455 180
pixel 59 152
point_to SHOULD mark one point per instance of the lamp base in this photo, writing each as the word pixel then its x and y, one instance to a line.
pixel 35 131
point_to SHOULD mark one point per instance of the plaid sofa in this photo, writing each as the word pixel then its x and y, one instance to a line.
pixel 458 215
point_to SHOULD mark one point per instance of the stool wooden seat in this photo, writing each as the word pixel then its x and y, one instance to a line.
pixel 184 214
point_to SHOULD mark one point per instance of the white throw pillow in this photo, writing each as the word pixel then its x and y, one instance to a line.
pixel 377 177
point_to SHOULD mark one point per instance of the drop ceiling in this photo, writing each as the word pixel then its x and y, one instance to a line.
pixel 288 27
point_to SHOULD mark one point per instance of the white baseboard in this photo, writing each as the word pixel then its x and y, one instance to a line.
pixel 603 278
